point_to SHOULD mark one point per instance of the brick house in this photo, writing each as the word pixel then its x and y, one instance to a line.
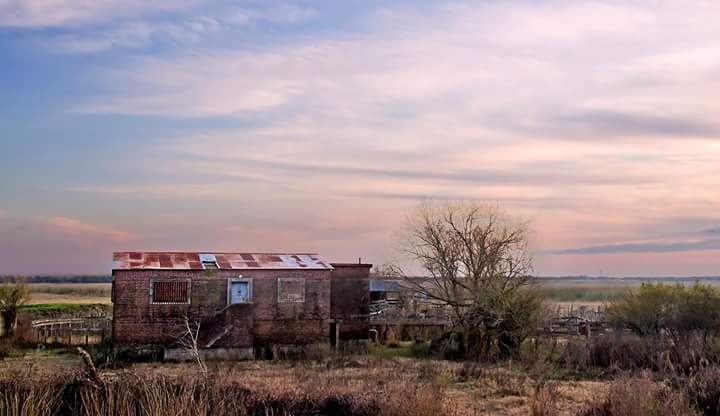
pixel 247 304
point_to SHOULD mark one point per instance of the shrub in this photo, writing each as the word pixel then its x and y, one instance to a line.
pixel 655 309
pixel 631 352
pixel 626 352
pixel 635 397
pixel 6 349
pixel 543 402
pixel 12 297
pixel 703 390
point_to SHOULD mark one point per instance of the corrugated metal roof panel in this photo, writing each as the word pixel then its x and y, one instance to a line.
pixel 229 261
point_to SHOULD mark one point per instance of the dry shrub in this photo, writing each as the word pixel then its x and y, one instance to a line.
pixel 414 400
pixel 470 370
pixel 502 381
pixel 703 390
pixel 624 352
pixel 7 348
pixel 575 355
pixel 21 396
pixel 640 396
pixel 630 352
pixel 184 393
pixel 543 402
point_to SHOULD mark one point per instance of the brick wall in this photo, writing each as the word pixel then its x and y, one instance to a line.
pixel 138 322
pixel 350 299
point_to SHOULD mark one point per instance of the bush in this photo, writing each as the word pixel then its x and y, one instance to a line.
pixel 543 402
pixel 12 297
pixel 636 397
pixel 6 349
pixel 631 352
pixel 703 390
pixel 655 309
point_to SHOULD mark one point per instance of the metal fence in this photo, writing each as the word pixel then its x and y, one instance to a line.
pixel 72 331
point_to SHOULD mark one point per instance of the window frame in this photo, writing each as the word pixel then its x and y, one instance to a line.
pixel 291 279
pixel 239 279
pixel 174 279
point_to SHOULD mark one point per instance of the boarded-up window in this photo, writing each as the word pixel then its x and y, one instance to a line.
pixel 291 289
pixel 239 291
pixel 170 291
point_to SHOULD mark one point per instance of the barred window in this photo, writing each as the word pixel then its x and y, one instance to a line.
pixel 291 289
pixel 170 291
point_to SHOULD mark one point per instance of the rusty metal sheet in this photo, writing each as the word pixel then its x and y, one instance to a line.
pixel 225 261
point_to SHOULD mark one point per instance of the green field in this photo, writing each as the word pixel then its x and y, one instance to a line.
pixel 601 290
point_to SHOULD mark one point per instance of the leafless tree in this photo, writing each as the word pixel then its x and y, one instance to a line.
pixel 188 340
pixel 479 268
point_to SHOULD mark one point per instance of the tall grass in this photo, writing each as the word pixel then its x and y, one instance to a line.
pixel 226 392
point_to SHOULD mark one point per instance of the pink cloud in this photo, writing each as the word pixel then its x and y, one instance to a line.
pixel 76 228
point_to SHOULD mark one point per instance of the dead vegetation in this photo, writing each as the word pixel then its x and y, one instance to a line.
pixel 361 385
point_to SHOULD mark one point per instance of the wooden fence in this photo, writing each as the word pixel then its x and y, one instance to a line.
pixel 72 331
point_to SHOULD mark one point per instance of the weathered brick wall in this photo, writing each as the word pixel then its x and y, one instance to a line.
pixel 137 321
pixel 350 293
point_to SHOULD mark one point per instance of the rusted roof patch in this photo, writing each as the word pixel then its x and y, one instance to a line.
pixel 229 261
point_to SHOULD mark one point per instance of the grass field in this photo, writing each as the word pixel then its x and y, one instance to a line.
pixel 583 293
pixel 70 293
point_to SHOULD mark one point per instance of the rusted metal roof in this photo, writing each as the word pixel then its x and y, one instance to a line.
pixel 132 260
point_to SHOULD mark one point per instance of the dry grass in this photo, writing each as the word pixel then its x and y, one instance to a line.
pixel 73 293
pixel 350 386
pixel 640 396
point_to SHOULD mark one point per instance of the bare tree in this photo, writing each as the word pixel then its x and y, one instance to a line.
pixel 12 297
pixel 188 340
pixel 479 268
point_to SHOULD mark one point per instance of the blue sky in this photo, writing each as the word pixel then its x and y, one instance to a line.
pixel 315 126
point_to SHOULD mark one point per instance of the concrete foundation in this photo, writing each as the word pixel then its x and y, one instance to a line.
pixel 212 354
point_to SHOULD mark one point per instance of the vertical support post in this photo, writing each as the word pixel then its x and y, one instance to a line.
pixel 337 336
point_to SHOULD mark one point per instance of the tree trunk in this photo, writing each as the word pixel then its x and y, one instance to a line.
pixel 9 322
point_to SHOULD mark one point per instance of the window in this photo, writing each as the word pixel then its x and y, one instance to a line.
pixel 170 291
pixel 209 262
pixel 291 290
pixel 239 291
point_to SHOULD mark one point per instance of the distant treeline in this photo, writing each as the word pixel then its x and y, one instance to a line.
pixel 669 279
pixel 57 279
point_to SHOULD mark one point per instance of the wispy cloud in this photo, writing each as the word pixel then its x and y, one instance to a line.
pixel 601 122
pixel 53 13
pixel 461 63
pixel 715 230
pixel 285 13
pixel 309 116
pixel 77 228
pixel 134 34
pixel 645 247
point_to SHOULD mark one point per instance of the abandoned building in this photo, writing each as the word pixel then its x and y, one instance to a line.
pixel 246 304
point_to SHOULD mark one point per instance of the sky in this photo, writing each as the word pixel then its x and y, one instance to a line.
pixel 315 126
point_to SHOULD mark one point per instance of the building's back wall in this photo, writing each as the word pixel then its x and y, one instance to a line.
pixel 265 321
